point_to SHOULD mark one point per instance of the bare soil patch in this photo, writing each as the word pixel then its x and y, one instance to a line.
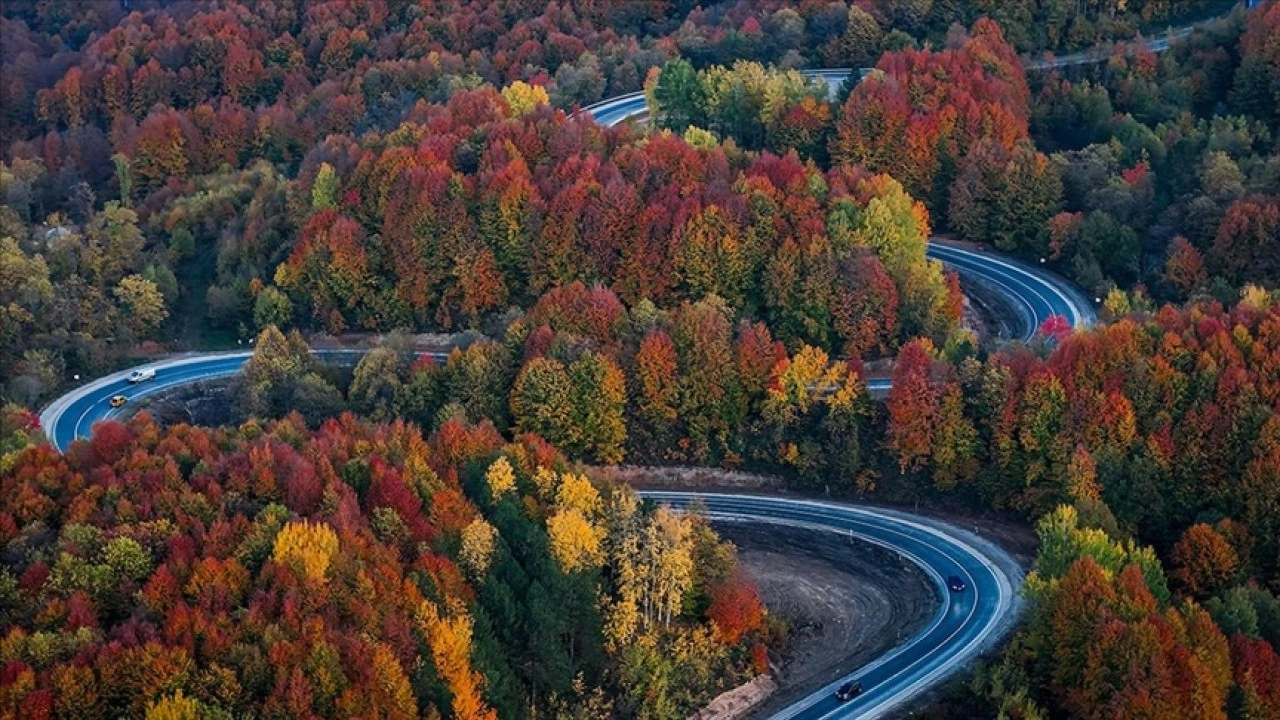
pixel 736 703
pixel 847 602
pixel 980 319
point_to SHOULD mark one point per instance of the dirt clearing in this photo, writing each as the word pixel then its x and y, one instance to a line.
pixel 847 601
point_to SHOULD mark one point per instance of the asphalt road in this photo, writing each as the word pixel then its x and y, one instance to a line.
pixel 614 110
pixel 962 627
pixel 72 416
pixel 1035 295
pixel 965 621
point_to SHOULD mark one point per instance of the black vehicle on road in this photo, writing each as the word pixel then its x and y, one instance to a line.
pixel 849 691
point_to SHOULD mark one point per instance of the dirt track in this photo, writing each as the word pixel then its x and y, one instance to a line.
pixel 847 601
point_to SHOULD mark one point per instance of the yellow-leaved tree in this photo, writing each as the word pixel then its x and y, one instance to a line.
pixel 574 540
pixel 546 480
pixel 306 547
pixel 500 478
pixel 524 98
pixel 174 707
pixel 576 491
pixel 666 558
pixel 450 640
pixel 478 541
pixel 576 537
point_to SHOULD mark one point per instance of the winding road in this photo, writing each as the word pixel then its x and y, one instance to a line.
pixel 72 416
pixel 965 622
pixel 1033 296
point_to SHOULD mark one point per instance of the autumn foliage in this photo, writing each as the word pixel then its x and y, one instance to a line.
pixel 171 573
pixel 735 608
pixel 309 547
pixel 920 112
pixel 573 221
pixel 1204 562
pixel 707 295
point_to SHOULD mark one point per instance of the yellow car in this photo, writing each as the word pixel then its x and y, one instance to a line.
pixel 118 400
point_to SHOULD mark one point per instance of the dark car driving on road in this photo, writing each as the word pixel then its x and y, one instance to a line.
pixel 956 583
pixel 849 691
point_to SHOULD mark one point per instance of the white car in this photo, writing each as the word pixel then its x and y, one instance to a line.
pixel 143 375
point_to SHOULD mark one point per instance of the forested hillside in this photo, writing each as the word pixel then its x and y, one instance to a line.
pixel 481 204
pixel 354 571
pixel 716 287
pixel 160 166
pixel 1149 170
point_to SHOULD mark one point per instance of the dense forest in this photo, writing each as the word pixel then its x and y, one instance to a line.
pixel 413 537
pixel 355 571
pixel 156 182
pixel 1144 170
pixel 1150 443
